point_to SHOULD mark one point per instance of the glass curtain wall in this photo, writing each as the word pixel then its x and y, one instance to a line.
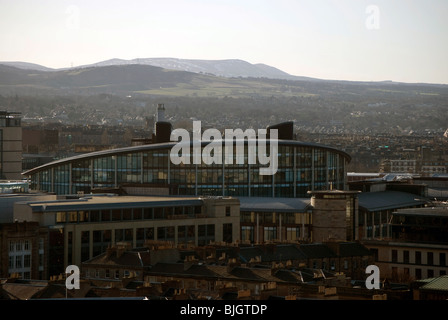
pixel 81 176
pixel 104 172
pixel 155 166
pixel 300 169
pixel 304 172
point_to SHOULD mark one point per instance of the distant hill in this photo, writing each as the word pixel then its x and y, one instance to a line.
pixel 109 79
pixel 26 65
pixel 196 78
pixel 222 68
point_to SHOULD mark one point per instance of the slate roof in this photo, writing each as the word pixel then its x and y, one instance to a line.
pixel 436 284
pixel 350 249
pixel 280 252
pixel 228 274
pixel 127 258
pixel 317 251
pixel 21 291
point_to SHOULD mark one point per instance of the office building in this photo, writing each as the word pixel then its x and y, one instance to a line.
pixel 302 167
pixel 82 228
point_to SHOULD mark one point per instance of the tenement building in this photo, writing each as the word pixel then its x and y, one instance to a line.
pixel 23 246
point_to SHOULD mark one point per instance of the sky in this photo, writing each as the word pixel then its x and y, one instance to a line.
pixel 360 40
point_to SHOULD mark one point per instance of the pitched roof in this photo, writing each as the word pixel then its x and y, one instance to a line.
pixel 437 284
pixel 280 252
pixel 229 274
pixel 127 258
pixel 317 251
pixel 21 291
pixel 351 249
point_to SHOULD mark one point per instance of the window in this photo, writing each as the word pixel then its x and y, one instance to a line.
pixel 418 257
pixel 292 233
pixel 406 256
pixel 418 273
pixel 27 261
pixel 375 254
pixel 227 232
pixel 247 233
pixel 430 258
pixel 442 259
pixel 107 273
pixel 72 216
pixel 394 256
pixel 117 274
pixel 270 233
pixel 227 211
pixel 18 262
pixel 60 217
pixel 406 272
pixel 41 244
pixel 394 273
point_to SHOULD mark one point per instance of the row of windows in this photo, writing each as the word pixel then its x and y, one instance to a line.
pixel 19 257
pixel 155 167
pixel 126 214
pixel 185 234
pixel 270 217
pixel 418 273
pixel 270 234
pixel 19 246
pixel 19 261
pixel 417 258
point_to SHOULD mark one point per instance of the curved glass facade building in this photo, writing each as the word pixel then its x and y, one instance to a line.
pixel 301 167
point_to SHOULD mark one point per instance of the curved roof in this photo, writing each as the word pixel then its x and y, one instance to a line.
pixel 169 145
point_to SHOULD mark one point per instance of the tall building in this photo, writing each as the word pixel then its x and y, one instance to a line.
pixel 10 146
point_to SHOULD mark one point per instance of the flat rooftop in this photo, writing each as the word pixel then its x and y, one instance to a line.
pixel 267 204
pixel 98 202
pixel 423 212
pixel 389 200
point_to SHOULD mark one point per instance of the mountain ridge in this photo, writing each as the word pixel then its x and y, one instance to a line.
pixel 221 67
pixel 229 68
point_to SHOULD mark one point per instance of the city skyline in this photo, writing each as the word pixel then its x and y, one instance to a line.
pixel 352 40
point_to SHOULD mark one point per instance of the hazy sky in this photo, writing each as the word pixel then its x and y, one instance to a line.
pixel 374 40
